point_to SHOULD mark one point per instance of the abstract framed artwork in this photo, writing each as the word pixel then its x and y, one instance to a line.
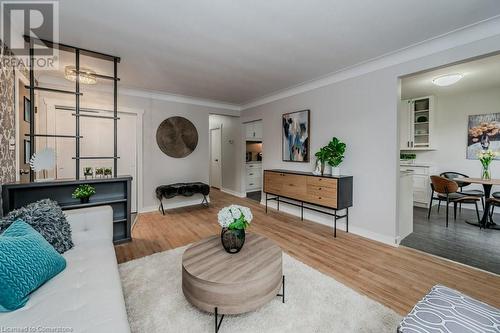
pixel 483 134
pixel 295 136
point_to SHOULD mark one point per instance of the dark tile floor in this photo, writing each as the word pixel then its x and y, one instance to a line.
pixel 254 195
pixel 460 242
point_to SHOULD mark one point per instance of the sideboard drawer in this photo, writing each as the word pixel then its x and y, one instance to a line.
pixel 323 200
pixel 272 182
pixel 322 182
pixel 322 191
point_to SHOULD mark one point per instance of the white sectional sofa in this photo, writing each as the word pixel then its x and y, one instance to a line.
pixel 85 297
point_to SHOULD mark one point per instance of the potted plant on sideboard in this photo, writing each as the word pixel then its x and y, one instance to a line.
pixel 83 192
pixel 332 154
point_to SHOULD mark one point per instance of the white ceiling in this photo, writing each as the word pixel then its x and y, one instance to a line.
pixel 238 51
pixel 478 74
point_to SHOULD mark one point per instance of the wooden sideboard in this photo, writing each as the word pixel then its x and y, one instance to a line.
pixel 332 192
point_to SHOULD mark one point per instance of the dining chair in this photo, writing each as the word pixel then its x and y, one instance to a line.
pixel 494 195
pixel 444 189
pixel 461 184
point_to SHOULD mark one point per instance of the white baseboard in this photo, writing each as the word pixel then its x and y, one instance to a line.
pixel 184 202
pixel 341 225
pixel 236 194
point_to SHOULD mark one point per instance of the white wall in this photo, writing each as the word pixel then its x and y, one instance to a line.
pixel 158 168
pixel 231 157
pixel 451 117
pixel 362 111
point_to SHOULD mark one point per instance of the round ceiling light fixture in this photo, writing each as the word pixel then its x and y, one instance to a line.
pixel 87 76
pixel 447 80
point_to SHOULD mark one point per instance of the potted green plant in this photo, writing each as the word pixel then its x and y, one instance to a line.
pixel 83 192
pixel 332 154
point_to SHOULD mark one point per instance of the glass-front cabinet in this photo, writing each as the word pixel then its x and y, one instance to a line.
pixel 416 123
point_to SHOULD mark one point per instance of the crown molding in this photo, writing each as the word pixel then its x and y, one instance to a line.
pixel 149 94
pixel 179 99
pixel 474 32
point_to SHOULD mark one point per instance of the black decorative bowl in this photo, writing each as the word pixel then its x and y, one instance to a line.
pixel 232 240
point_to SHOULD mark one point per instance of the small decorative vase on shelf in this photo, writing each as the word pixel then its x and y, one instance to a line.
pixel 232 240
pixel 336 171
pixel 233 220
pixel 84 200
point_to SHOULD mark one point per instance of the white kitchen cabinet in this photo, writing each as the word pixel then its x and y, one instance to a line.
pixel 254 131
pixel 416 124
pixel 421 183
pixel 253 176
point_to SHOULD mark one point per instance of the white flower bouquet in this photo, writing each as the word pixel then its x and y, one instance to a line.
pixel 235 217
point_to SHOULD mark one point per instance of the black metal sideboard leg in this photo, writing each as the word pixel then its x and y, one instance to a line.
pixel 282 295
pixel 347 220
pixel 335 225
pixel 302 210
pixel 266 203
pixel 278 201
pixel 217 322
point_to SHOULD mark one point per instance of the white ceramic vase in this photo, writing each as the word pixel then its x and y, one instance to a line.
pixel 335 171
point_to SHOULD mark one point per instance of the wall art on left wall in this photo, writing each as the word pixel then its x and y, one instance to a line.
pixel 295 136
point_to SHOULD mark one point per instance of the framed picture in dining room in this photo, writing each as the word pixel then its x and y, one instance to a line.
pixel 295 138
pixel 483 134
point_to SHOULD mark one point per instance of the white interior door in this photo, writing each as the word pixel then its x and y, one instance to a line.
pixel 98 141
pixel 215 158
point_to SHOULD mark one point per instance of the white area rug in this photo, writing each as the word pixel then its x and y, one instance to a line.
pixel 314 303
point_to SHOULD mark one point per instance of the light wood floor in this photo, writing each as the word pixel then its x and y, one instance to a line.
pixel 395 277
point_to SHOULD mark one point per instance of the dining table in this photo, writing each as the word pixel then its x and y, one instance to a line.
pixel 486 221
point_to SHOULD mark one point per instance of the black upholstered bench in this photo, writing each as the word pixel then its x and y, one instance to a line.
pixel 184 189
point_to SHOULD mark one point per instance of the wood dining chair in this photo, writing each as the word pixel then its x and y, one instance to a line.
pixel 494 203
pixel 461 184
pixel 444 189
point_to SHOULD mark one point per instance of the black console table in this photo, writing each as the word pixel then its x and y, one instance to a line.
pixel 331 192
pixel 114 192
pixel 184 189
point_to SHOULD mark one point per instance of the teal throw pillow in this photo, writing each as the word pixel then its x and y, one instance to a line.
pixel 27 261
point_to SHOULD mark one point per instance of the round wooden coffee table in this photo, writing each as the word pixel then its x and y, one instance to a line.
pixel 222 283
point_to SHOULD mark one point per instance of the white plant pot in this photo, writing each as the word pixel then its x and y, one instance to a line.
pixel 328 170
pixel 335 171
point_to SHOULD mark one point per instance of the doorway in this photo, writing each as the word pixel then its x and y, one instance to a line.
pixel 56 116
pixel 448 116
pixel 216 157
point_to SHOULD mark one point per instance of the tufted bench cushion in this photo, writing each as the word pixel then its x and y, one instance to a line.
pixel 445 310
pixel 87 295
pixel 184 189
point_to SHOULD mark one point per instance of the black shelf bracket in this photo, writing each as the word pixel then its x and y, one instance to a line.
pixel 54 136
pixel 60 91
pixel 95 157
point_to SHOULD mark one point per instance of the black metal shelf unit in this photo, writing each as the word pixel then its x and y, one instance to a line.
pixel 32 87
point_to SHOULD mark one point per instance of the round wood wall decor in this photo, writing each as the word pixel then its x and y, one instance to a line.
pixel 177 137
